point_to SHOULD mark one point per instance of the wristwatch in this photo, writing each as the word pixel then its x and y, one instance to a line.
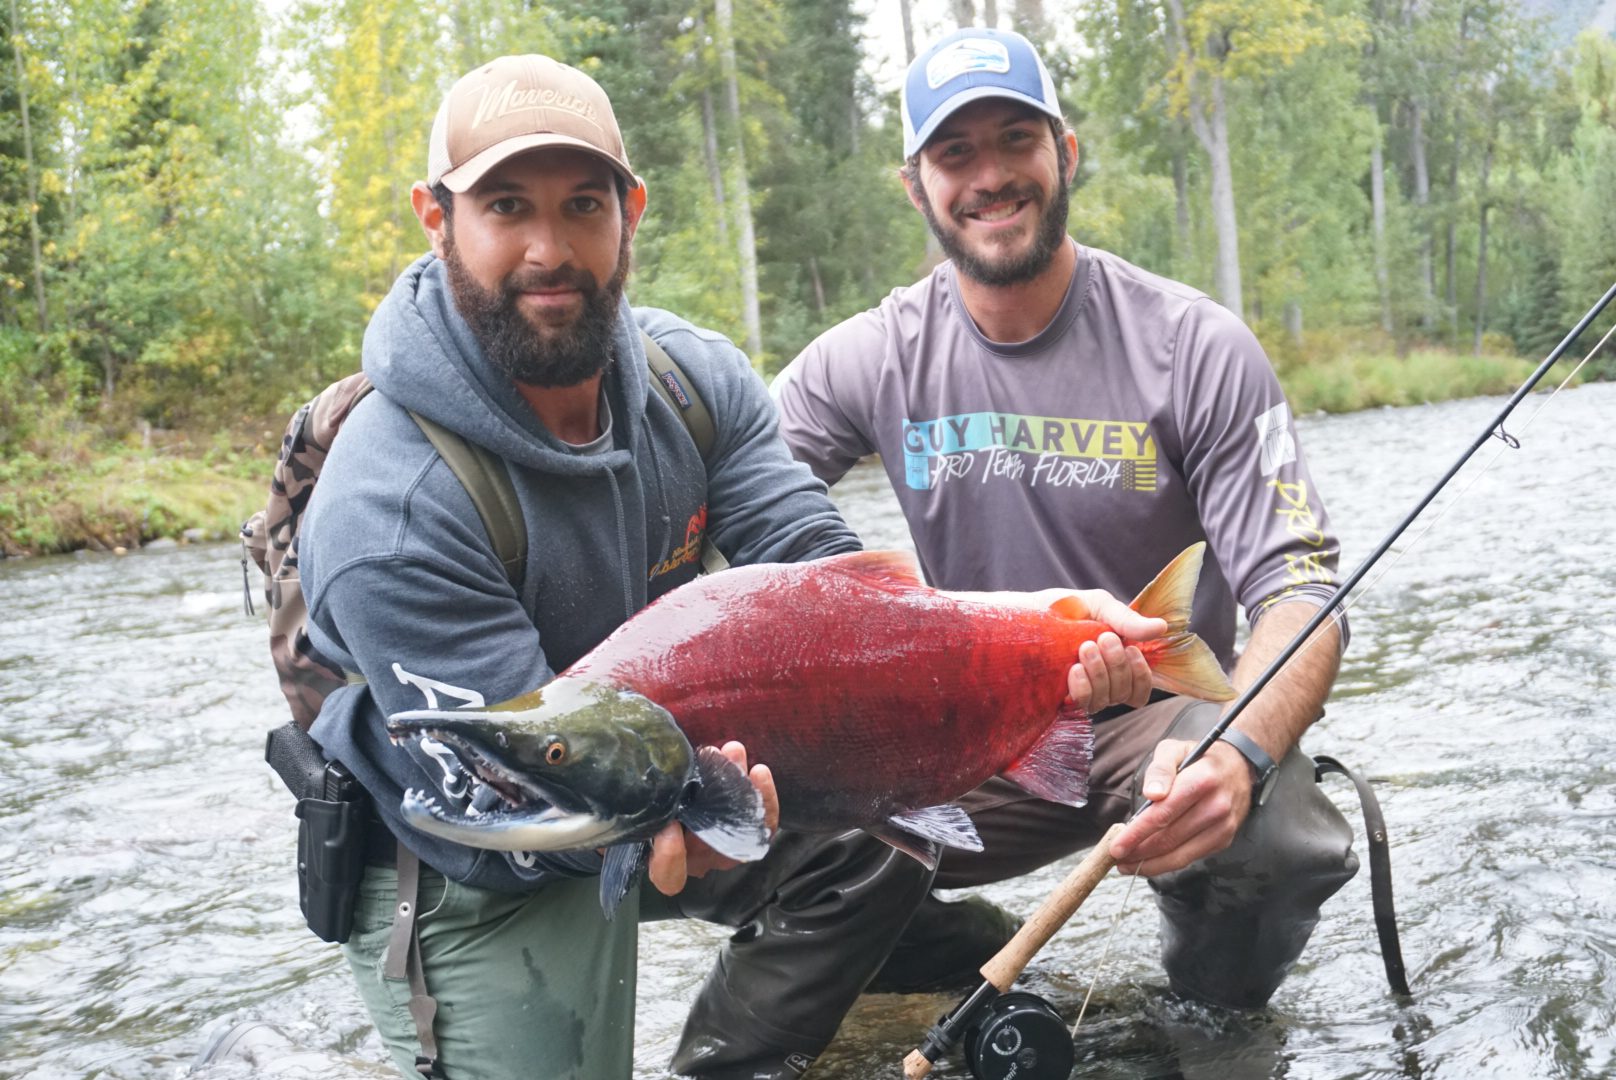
pixel 1263 770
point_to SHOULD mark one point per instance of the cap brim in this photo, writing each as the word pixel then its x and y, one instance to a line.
pixel 463 177
pixel 964 98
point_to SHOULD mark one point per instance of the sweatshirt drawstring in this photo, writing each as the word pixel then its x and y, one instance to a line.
pixel 622 545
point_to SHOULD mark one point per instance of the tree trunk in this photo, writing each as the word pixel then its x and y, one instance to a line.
pixel 1422 203
pixel 1377 201
pixel 1208 116
pixel 908 31
pixel 1422 184
pixel 819 285
pixel 1227 276
pixel 40 305
pixel 746 242
pixel 1481 249
pixel 965 12
pixel 1030 21
pixel 1181 208
pixel 1293 321
pixel 709 147
pixel 990 12
pixel 1451 242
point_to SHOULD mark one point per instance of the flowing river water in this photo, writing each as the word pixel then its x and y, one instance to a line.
pixel 146 881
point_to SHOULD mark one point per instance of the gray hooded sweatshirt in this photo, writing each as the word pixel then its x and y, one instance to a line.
pixel 402 582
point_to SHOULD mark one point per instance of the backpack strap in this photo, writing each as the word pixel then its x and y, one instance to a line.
pixel 489 485
pixel 484 477
pixel 680 393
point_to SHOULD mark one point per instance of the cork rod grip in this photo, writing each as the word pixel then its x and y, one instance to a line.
pixel 1007 965
pixel 915 1065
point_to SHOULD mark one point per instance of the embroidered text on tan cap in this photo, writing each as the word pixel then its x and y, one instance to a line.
pixel 519 103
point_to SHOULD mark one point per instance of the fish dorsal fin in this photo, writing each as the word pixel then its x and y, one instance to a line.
pixel 882 568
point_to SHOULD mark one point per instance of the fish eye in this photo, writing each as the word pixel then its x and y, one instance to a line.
pixel 556 752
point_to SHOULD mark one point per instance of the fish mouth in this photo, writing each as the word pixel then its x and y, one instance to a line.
pixel 517 790
pixel 530 816
pixel 531 828
pixel 528 813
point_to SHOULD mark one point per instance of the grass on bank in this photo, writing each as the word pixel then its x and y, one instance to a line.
pixel 123 496
pixel 119 494
pixel 1323 375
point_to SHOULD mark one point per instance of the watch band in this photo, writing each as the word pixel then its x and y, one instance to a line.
pixel 1261 764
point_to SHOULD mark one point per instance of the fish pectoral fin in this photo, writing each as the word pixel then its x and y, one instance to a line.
pixel 727 811
pixel 1057 766
pixel 947 825
pixel 618 873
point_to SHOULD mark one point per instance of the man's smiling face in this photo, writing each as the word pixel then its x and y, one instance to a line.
pixel 991 183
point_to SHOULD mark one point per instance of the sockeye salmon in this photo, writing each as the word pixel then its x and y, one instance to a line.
pixel 875 700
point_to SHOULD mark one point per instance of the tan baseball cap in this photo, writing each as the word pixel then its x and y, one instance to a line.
pixel 519 103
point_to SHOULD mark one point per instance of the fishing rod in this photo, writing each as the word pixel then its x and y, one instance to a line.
pixel 1019 1029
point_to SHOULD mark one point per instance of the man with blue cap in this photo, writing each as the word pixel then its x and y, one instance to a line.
pixel 1051 416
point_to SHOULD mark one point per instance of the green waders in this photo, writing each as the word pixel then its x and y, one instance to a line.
pixel 537 986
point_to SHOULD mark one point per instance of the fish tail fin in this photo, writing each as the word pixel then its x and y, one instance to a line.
pixel 1180 662
pixel 1171 593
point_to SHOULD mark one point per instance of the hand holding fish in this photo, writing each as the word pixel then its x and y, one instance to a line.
pixel 1107 672
pixel 678 854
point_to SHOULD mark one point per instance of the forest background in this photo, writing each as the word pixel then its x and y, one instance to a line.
pixel 203 200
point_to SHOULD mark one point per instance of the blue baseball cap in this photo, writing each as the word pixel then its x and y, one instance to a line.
pixel 968 65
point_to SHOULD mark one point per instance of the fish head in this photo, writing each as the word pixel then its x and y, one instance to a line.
pixel 576 764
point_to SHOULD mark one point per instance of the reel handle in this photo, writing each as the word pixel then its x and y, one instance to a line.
pixel 1052 914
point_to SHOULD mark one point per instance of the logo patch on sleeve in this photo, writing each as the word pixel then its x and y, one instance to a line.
pixel 1276 445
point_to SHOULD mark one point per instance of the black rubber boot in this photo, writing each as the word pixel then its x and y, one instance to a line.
pixel 815 919
pixel 944 946
pixel 1233 923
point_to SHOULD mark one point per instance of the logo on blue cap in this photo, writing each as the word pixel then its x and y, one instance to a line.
pixel 969 65
pixel 966 55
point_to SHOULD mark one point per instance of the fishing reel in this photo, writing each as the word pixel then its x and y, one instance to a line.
pixel 1019 1036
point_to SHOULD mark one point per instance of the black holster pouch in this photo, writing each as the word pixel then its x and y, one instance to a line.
pixel 332 814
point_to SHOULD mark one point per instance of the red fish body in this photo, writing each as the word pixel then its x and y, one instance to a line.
pixel 870 695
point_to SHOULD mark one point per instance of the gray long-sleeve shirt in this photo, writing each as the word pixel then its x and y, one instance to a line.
pixel 1144 418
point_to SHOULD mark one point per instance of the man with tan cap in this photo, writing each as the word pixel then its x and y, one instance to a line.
pixel 514 334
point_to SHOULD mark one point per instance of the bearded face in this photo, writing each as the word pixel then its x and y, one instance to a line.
pixel 541 348
pixel 1014 258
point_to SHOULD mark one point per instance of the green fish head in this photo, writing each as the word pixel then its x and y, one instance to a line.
pixel 576 763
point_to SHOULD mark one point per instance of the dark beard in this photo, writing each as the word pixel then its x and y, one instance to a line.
pixel 548 357
pixel 1019 269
